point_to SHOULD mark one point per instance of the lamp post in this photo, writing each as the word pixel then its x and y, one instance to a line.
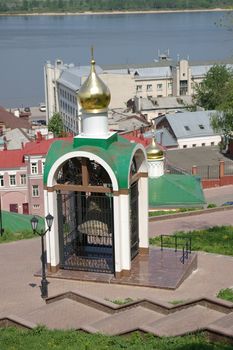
pixel 34 223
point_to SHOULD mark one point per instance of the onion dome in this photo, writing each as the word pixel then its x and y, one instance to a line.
pixel 154 152
pixel 94 95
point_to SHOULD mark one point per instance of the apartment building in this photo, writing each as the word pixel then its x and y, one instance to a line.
pixel 149 81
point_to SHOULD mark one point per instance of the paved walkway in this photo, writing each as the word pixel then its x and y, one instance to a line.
pixel 189 223
pixel 20 293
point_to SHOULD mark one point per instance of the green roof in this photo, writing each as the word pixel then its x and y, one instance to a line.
pixel 116 152
pixel 175 191
pixel 14 222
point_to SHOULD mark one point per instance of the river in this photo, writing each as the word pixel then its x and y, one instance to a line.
pixel 27 42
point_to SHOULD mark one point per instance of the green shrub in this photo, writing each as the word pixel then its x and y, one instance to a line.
pixel 226 294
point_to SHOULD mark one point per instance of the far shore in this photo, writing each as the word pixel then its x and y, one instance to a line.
pixel 114 12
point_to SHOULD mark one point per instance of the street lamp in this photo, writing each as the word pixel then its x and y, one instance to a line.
pixel 34 223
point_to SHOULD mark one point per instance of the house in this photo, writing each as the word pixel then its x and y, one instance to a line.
pixel 188 129
pixel 21 178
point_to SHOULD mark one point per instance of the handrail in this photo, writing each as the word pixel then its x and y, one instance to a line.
pixel 186 245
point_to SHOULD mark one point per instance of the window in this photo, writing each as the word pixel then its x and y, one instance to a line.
pixel 203 144
pixel 212 143
pixel 139 88
pixel 194 145
pixel 34 168
pixel 201 126
pixel 187 128
pixel 1 181
pixel 23 179
pixel 159 86
pixel 149 87
pixel 12 180
pixel 36 206
pixel 35 191
pixel 184 146
pixel 169 85
pixel 42 164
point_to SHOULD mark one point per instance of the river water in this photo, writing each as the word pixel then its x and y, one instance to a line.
pixel 27 42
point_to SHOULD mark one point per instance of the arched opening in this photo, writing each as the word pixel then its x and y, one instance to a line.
pixel 85 216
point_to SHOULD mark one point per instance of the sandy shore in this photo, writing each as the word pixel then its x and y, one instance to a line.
pixel 114 12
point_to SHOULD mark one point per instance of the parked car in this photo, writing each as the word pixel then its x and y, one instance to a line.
pixel 41 122
pixel 42 107
pixel 27 109
pixel 227 203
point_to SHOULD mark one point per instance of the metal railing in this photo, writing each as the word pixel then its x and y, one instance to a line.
pixel 178 242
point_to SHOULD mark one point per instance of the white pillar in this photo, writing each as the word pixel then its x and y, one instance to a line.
pixel 117 237
pixel 156 168
pixel 125 240
pixel 143 212
pixel 95 125
pixel 47 237
pixel 53 234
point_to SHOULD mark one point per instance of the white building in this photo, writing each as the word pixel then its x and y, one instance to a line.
pixel 151 81
pixel 188 130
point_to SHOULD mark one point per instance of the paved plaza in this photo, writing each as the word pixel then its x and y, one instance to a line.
pixel 89 306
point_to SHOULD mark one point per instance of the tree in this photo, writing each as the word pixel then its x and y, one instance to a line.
pixel 211 92
pixel 222 120
pixel 55 125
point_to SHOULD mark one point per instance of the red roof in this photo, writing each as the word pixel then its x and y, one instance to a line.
pixel 138 139
pixel 40 147
pixel 11 159
pixel 15 158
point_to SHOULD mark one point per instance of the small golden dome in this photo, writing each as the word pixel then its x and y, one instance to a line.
pixel 94 95
pixel 153 152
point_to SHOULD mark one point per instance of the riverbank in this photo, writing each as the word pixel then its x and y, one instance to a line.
pixel 90 13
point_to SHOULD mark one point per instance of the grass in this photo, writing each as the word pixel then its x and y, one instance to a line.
pixel 17 226
pixel 41 338
pixel 16 236
pixel 226 294
pixel 169 212
pixel 218 240
pixel 14 222
pixel 121 301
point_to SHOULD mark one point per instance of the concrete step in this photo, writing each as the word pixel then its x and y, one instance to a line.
pixel 223 325
pixel 125 321
pixel 184 321
pixel 65 314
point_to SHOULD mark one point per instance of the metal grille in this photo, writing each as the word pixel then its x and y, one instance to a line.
pixel 86 231
pixel 134 219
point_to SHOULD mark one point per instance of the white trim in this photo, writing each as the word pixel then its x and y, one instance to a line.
pixel 143 167
pixel 92 156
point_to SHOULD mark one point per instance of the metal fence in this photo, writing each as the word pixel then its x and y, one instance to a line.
pixel 208 171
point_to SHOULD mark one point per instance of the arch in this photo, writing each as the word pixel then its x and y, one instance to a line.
pixel 91 156
pixel 139 154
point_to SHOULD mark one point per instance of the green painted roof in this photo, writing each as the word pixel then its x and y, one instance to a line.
pixel 116 153
pixel 175 191
pixel 14 222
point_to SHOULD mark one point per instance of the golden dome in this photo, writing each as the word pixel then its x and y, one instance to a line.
pixel 94 95
pixel 153 152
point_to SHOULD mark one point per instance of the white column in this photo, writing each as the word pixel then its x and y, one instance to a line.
pixel 117 233
pixel 47 237
pixel 125 232
pixel 156 168
pixel 95 125
pixel 143 212
pixel 53 234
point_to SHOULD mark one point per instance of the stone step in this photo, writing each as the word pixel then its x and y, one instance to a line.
pixel 65 314
pixel 223 325
pixel 125 321
pixel 184 321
